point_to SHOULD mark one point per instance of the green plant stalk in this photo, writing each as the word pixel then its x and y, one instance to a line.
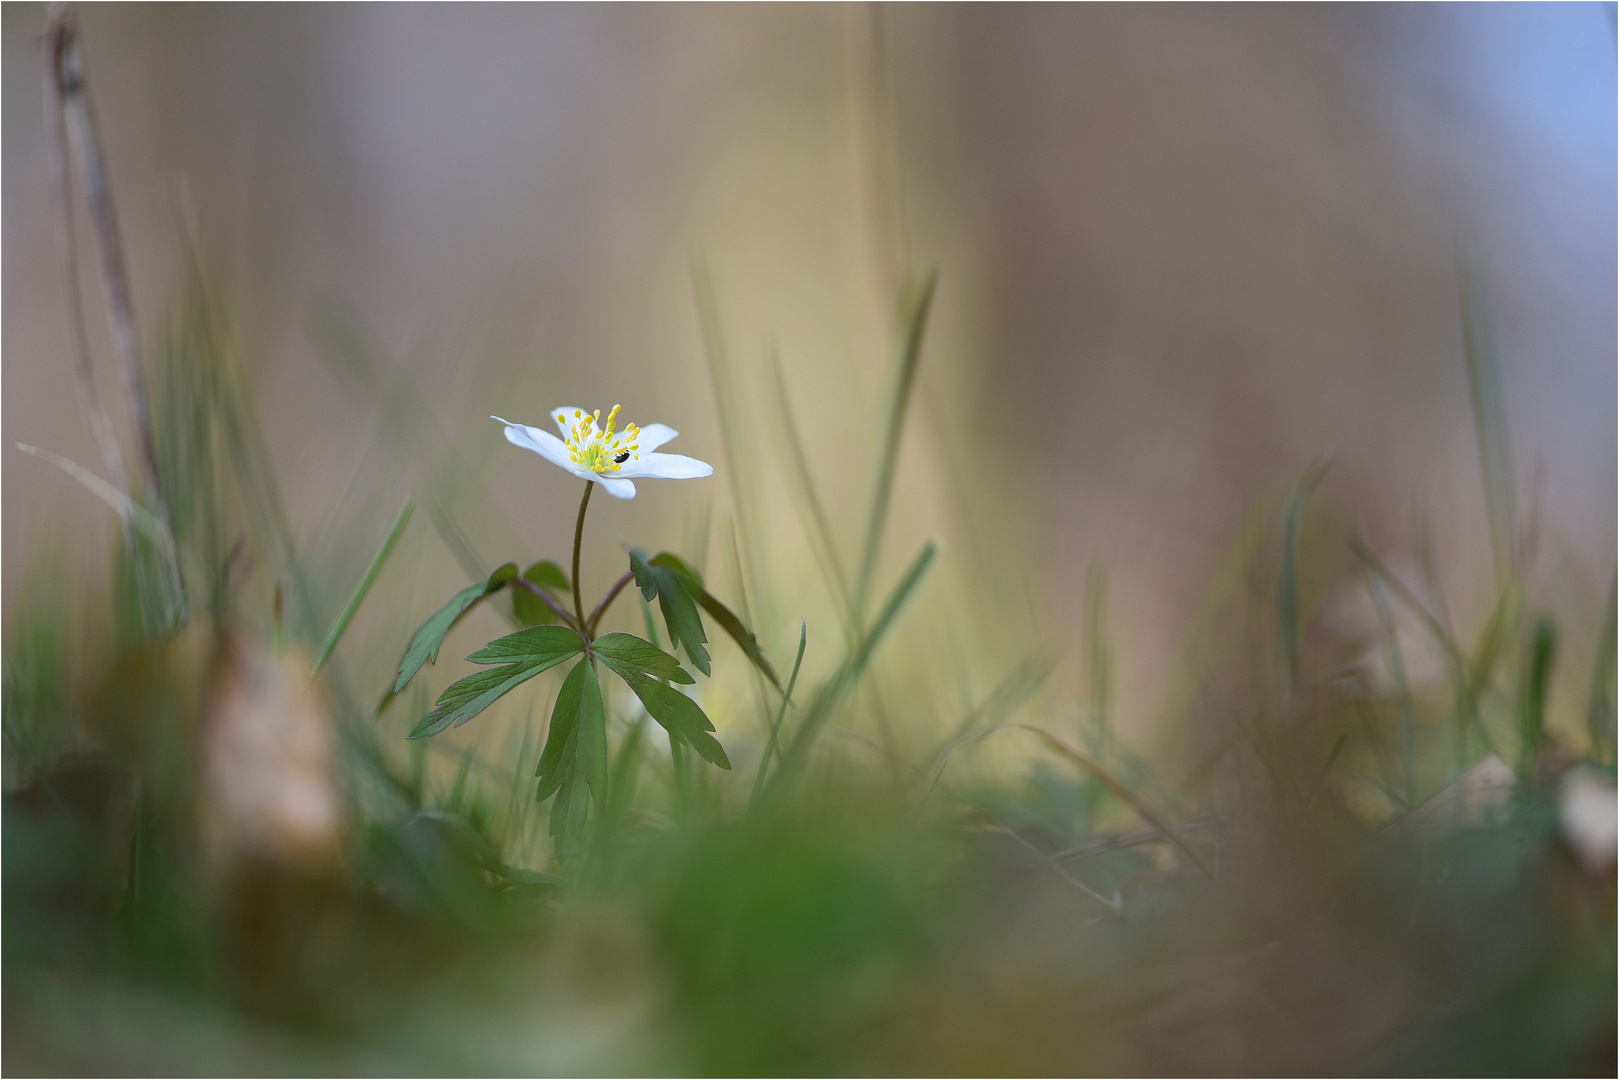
pixel 1115 902
pixel 811 509
pixel 1468 676
pixel 1490 420
pixel 1287 588
pixel 607 602
pixel 848 673
pixel 781 714
pixel 450 490
pixel 1119 790
pixel 1536 685
pixel 1599 712
pixel 913 316
pixel 1101 665
pixel 578 537
pixel 731 395
pixel 364 586
pixel 1397 669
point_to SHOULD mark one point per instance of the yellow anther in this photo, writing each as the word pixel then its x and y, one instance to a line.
pixel 595 447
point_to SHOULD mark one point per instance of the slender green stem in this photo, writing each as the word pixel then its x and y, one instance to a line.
pixel 831 693
pixel 913 317
pixel 364 586
pixel 607 602
pixel 545 598
pixel 578 536
pixel 1396 661
pixel 781 714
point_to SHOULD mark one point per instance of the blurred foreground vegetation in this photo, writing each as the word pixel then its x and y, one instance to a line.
pixel 1391 853
pixel 218 860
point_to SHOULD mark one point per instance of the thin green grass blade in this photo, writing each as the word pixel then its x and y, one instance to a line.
pixel 1098 730
pixel 364 587
pixel 1115 902
pixel 517 802
pixel 1490 420
pixel 1498 631
pixel 914 303
pixel 452 802
pixel 1440 631
pixel 1203 643
pixel 1465 683
pixel 1288 603
pixel 854 665
pixel 451 491
pixel 807 499
pixel 1386 782
pixel 184 443
pixel 622 776
pixel 737 629
pixel 1014 690
pixel 781 713
pixel 1600 712
pixel 1536 687
pixel 417 784
pixel 1120 791
pixel 127 508
pixel 1396 659
pixel 949 751
pixel 730 394
pixel 256 482
pixel 891 608
pixel 455 538
pixel 697 527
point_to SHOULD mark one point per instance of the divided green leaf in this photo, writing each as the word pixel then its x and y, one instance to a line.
pixel 552 644
pixel 679 590
pixel 573 765
pixel 674 599
pixel 721 614
pixel 520 657
pixel 629 651
pixel 641 665
pixel 425 643
pixel 529 609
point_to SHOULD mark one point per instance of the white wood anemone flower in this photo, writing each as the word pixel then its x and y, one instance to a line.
pixel 611 458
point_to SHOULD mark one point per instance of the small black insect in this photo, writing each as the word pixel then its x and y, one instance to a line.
pixel 619 459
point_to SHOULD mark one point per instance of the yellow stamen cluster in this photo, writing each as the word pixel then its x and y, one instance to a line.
pixel 599 449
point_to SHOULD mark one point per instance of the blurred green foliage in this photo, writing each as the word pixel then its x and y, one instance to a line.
pixel 1350 876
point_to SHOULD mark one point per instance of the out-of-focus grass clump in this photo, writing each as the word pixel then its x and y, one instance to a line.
pixel 219 860
pixel 1379 844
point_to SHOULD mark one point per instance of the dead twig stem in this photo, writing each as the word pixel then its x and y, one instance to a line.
pixel 74 115
pixel 56 153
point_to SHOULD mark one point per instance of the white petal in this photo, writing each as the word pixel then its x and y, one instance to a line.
pixel 564 418
pixel 666 467
pixel 653 436
pixel 545 444
pixel 616 487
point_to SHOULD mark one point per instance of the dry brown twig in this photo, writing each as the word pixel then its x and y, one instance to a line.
pixel 70 114
pixel 56 153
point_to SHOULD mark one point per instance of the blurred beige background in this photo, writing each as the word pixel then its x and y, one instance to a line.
pixel 1182 250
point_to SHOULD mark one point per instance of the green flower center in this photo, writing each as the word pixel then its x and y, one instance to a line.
pixel 599 449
